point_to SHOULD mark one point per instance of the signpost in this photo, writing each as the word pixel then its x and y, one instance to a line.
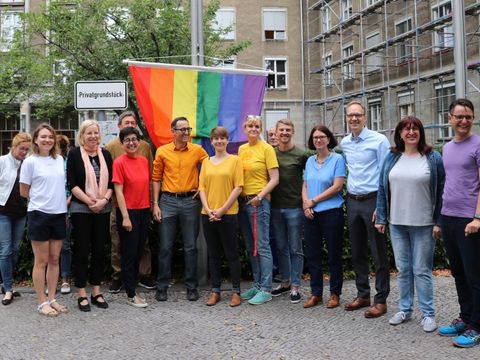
pixel 101 95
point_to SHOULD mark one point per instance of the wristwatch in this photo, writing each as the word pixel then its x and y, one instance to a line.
pixel 477 216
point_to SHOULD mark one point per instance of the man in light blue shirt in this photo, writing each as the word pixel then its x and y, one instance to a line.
pixel 364 151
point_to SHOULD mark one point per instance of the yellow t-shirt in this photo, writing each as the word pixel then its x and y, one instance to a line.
pixel 218 182
pixel 256 160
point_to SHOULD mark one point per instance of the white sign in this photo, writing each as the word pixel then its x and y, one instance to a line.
pixel 101 95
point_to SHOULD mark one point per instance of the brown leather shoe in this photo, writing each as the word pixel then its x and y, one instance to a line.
pixel 357 303
pixel 213 299
pixel 235 301
pixel 312 301
pixel 376 310
pixel 333 301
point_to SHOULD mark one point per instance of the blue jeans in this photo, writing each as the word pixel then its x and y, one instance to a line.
pixel 11 234
pixel 262 264
pixel 66 253
pixel 287 228
pixel 464 254
pixel 183 213
pixel 413 247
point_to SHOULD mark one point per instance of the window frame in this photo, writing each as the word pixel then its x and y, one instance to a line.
pixel 233 24
pixel 406 46
pixel 276 33
pixel 348 67
pixel 443 38
pixel 276 73
pixel 7 36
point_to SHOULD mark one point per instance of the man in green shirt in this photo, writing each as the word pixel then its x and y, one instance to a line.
pixel 286 211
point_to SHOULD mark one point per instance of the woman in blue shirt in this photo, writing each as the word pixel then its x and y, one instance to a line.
pixel 322 204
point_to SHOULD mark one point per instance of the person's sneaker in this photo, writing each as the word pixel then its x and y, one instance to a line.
pixel 454 329
pixel 147 283
pixel 400 317
pixel 161 295
pixel 116 286
pixel 250 293
pixel 192 295
pixel 137 302
pixel 468 339
pixel 295 296
pixel 260 298
pixel 429 324
pixel 65 289
pixel 279 290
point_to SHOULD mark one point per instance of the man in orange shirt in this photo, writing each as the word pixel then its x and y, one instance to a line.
pixel 175 173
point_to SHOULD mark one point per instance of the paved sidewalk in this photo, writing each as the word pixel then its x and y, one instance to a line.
pixel 179 329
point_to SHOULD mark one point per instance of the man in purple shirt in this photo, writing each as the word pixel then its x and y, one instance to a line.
pixel 460 222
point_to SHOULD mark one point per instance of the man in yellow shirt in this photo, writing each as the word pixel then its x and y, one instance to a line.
pixel 175 173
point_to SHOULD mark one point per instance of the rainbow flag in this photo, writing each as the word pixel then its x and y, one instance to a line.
pixel 207 97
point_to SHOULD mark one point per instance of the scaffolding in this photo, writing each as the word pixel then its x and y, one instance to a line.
pixel 394 55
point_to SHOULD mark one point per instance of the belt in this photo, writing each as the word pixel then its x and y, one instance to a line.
pixel 362 197
pixel 246 198
pixel 180 194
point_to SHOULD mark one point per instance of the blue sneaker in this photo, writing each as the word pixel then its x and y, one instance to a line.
pixel 261 298
pixel 468 339
pixel 454 329
pixel 250 293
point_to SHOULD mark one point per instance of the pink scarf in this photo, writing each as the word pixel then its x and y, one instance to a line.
pixel 92 189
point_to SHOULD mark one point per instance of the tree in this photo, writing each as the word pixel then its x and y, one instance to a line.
pixel 88 39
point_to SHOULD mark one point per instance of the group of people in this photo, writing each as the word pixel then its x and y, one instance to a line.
pixel 407 187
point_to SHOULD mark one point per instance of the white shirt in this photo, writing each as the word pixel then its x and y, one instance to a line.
pixel 46 177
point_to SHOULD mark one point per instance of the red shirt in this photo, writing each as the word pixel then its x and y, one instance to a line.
pixel 134 175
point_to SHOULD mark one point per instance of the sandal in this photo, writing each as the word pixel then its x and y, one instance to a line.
pixel 101 304
pixel 46 310
pixel 61 309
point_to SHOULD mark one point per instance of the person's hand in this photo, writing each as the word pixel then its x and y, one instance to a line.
pixel 127 224
pixel 308 212
pixel 308 204
pixel 99 205
pixel 255 201
pixel 472 227
pixel 380 228
pixel 157 214
pixel 436 232
pixel 374 217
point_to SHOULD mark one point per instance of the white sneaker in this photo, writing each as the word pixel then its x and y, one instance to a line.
pixel 400 317
pixel 137 302
pixel 429 324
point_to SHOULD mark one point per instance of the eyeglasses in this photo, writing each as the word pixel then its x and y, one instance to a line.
pixel 130 140
pixel 461 117
pixel 321 137
pixel 351 116
pixel 184 130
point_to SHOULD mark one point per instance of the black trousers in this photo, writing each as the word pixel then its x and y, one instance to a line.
pixel 222 235
pixel 90 234
pixel 363 236
pixel 131 246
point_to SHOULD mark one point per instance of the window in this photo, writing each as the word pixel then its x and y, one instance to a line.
pixel 445 94
pixel 226 63
pixel 375 114
pixel 442 38
pixel 275 24
pixel 347 9
pixel 9 23
pixel 348 68
pixel 406 103
pixel 370 2
pixel 326 18
pixel 61 70
pixel 327 61
pixel 277 80
pixel 373 60
pixel 404 49
pixel 272 116
pixel 225 19
pixel 116 23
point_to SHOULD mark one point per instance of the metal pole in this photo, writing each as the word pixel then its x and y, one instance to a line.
pixel 197 32
pixel 459 51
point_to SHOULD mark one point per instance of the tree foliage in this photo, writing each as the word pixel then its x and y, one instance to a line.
pixel 89 39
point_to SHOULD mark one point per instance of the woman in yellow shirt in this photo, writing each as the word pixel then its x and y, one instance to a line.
pixel 221 181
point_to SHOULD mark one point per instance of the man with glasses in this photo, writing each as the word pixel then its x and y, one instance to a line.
pixel 460 222
pixel 364 151
pixel 115 147
pixel 175 172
